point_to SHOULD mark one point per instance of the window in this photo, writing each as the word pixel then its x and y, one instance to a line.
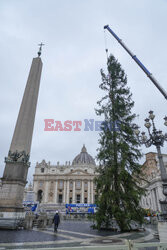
pixel 61 184
pixel 41 184
pixel 42 170
pixel 85 184
pixel 78 198
pixel 85 200
pixel 60 198
pixel 70 200
pixel 78 184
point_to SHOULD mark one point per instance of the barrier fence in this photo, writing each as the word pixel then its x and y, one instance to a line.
pixel 130 245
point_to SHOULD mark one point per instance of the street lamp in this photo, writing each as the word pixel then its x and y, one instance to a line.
pixel 156 138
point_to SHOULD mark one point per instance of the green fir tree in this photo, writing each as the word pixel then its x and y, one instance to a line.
pixel 118 191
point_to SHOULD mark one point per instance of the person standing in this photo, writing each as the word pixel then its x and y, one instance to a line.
pixel 56 221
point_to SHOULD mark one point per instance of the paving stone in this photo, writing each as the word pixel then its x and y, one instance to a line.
pixel 12 236
pixel 70 234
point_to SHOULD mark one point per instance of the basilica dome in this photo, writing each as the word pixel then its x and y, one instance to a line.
pixel 83 158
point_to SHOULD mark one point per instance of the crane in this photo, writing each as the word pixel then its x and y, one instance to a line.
pixel 134 57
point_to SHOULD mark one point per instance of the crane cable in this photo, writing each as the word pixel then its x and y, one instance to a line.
pixel 106 50
pixel 105 43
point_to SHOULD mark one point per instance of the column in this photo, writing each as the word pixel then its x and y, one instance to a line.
pixel 153 200
pixel 35 184
pixel 64 192
pixel 73 192
pixel 158 198
pixel 67 199
pixel 89 192
pixel 45 200
pixel 160 194
pixel 92 193
pixel 55 193
pixel 82 193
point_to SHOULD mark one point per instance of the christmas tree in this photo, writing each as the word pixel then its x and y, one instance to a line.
pixel 118 191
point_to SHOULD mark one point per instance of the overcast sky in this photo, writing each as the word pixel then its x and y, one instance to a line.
pixel 73 55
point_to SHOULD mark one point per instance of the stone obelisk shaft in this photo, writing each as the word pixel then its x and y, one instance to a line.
pixel 22 136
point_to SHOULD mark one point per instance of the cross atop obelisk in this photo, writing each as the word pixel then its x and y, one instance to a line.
pixel 40 48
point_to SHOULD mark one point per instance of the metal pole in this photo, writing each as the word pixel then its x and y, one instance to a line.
pixel 164 185
pixel 161 163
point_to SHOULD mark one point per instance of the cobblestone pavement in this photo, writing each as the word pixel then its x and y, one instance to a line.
pixel 70 234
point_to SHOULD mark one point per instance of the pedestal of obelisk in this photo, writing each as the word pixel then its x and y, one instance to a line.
pixel 17 163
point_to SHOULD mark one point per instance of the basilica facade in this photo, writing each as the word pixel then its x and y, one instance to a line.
pixel 56 185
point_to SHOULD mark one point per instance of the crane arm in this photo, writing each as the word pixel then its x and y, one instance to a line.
pixel 134 57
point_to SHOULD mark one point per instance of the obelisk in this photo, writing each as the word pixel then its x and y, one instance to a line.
pixel 17 162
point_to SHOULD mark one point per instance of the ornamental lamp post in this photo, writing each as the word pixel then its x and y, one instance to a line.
pixel 156 138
